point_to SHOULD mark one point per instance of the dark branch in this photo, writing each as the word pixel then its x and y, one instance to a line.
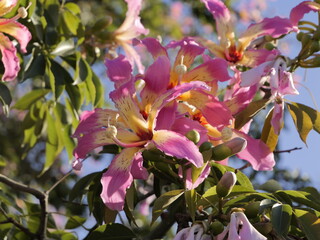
pixel 15 223
pixel 288 151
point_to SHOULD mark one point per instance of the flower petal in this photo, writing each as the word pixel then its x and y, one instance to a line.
pixel 166 116
pixel 154 47
pixel 215 112
pixel 189 50
pixel 211 71
pixel 117 179
pixel 119 70
pixel 88 142
pixel 301 9
pixel 190 183
pixel 246 231
pixel 9 59
pixel 277 117
pixel 6 6
pixel 256 153
pixel 156 81
pixel 128 109
pixel 137 169
pixel 275 27
pixel 183 125
pixel 174 144
pixel 255 57
pixel 170 95
pixel 92 120
pixel 18 31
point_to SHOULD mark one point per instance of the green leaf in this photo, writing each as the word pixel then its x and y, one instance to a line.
pixel 52 143
pixel 302 120
pixel 268 136
pixel 64 48
pixel 70 20
pixel 302 197
pixel 112 231
pixel 281 218
pixel 99 100
pixel 191 197
pixel 27 100
pixel 249 112
pixel 163 202
pixel 309 223
pixel 74 222
pixel 270 186
pixel 5 98
pixel 79 188
pixel 36 65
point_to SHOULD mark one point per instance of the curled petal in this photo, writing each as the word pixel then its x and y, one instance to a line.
pixel 137 169
pixel 256 153
pixel 277 117
pixel 119 70
pixel 174 144
pixel 18 31
pixel 92 120
pixel 117 179
pixel 88 142
pixel 193 183
pixel 253 76
pixel 166 116
pixel 9 58
pixel 256 57
pixel 154 47
pixel 211 71
pixel 133 56
pixel 6 6
pixel 275 27
pixel 301 9
pixel 131 27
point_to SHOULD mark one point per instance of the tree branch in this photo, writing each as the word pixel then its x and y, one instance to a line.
pixel 289 150
pixel 43 200
pixel 15 223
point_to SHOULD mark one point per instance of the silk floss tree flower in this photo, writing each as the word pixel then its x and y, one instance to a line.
pixel 239 50
pixel 130 29
pixel 19 32
pixel 240 228
pixel 129 129
pixel 281 84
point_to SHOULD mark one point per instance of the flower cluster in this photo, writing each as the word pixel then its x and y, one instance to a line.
pixel 160 106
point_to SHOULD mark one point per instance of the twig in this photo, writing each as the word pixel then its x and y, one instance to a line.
pixel 14 222
pixel 288 151
pixel 243 167
pixel 43 200
pixel 58 182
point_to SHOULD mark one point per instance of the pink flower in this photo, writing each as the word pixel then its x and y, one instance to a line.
pixel 301 9
pixel 133 131
pixel 237 50
pixel 281 84
pixel 130 29
pixel 19 32
pixel 240 228
pixel 195 232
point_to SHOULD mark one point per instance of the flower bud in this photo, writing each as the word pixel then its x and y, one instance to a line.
pixel 153 155
pixel 102 23
pixel 77 164
pixel 315 46
pixel 194 136
pixel 228 149
pixel 316 34
pixel 306 38
pixel 216 227
pixel 300 36
pixel 205 146
pixel 226 183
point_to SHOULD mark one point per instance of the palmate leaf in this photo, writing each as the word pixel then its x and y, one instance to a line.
pixel 305 119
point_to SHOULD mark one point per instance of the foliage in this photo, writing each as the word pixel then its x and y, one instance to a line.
pixel 60 86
